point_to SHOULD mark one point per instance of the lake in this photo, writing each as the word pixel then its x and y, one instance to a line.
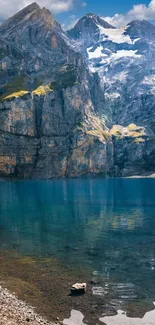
pixel 101 231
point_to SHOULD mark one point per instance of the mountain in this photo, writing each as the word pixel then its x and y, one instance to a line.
pixel 46 97
pixel 142 29
pixel 123 58
pixel 87 30
pixel 33 48
pixel 76 103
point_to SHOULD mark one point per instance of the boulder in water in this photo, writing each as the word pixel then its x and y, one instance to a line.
pixel 79 288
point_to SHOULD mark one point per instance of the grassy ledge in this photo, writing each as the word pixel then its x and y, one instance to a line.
pixel 16 94
pixel 41 90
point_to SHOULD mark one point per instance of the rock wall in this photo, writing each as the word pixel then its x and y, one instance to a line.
pixel 45 136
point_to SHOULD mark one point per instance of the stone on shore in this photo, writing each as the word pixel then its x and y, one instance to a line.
pixel 79 288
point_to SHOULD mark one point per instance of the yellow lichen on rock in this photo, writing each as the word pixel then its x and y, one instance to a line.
pixel 133 127
pixel 42 90
pixel 96 133
pixel 7 164
pixel 17 94
pixel 138 140
pixel 131 130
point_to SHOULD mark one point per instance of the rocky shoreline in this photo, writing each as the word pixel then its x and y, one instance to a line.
pixel 14 311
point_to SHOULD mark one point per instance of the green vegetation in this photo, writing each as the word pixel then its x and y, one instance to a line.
pixel 65 77
pixel 41 90
pixel 17 84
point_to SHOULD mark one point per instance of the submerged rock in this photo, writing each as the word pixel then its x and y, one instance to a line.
pixel 99 291
pixel 94 282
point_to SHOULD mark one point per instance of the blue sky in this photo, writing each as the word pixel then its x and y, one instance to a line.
pixel 105 9
pixel 101 7
pixel 67 12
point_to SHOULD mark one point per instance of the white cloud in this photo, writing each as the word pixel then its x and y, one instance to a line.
pixel 83 4
pixel 71 22
pixel 57 6
pixel 10 7
pixel 139 12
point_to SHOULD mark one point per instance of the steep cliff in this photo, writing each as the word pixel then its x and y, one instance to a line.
pixel 49 134
pixel 74 104
pixel 49 102
pixel 123 58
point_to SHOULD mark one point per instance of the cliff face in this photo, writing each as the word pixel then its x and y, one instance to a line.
pixel 123 58
pixel 45 133
pixel 58 118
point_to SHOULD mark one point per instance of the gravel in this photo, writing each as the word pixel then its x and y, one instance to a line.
pixel 17 312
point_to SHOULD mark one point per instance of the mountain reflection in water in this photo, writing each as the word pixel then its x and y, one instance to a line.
pixel 104 225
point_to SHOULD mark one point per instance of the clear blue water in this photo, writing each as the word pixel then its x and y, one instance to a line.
pixel 104 225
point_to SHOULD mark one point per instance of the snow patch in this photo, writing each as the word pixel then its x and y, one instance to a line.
pixel 136 40
pixel 96 54
pixel 125 53
pixel 149 80
pixel 112 96
pixel 110 59
pixel 120 54
pixel 115 35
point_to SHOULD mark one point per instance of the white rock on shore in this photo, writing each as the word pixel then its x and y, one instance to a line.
pixel 79 287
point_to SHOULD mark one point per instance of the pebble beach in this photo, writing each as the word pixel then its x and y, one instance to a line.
pixel 15 312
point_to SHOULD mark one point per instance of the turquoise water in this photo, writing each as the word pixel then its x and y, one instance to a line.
pixel 106 226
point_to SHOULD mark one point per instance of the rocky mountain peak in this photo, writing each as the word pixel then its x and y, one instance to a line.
pixel 140 29
pixel 90 14
pixel 30 14
pixel 140 23
pixel 25 11
pixel 42 14
pixel 94 19
pixel 21 15
pixel 91 23
pixel 32 47
pixel 87 30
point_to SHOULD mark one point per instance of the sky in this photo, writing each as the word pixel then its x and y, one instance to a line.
pixel 68 12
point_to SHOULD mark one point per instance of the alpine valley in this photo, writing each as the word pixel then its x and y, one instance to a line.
pixel 76 103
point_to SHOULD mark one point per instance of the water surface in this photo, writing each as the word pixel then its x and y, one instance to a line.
pixel 104 226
